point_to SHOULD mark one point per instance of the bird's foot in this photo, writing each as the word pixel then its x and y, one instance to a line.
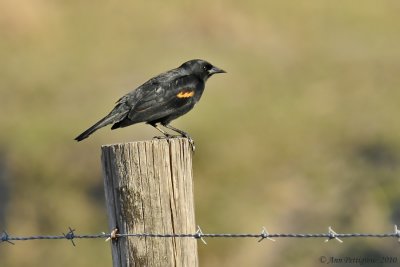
pixel 164 136
pixel 168 136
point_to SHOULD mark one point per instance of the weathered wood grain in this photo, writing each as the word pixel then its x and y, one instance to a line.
pixel 149 189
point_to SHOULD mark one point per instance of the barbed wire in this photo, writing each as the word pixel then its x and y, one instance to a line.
pixel 264 234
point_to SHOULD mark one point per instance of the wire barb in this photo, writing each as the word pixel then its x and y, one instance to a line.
pixel 333 235
pixel 70 235
pixel 265 235
pixel 397 232
pixel 113 235
pixel 5 238
pixel 199 235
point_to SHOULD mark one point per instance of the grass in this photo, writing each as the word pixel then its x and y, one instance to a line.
pixel 300 134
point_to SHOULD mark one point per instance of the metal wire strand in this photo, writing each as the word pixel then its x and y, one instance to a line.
pixel 113 235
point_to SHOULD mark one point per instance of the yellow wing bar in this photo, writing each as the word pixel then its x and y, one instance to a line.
pixel 185 94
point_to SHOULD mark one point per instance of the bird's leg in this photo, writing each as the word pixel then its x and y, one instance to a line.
pixel 166 135
pixel 182 133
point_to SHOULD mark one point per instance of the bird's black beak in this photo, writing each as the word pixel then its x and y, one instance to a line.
pixel 215 70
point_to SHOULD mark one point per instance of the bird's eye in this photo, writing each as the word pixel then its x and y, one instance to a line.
pixel 207 67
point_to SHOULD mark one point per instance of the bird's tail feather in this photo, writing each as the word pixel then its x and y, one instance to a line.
pixel 110 118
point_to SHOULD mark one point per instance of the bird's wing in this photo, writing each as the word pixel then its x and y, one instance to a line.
pixel 163 99
pixel 148 87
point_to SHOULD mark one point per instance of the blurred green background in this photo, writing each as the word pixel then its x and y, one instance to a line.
pixel 300 134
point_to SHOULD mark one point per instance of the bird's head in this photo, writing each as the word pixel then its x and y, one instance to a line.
pixel 201 68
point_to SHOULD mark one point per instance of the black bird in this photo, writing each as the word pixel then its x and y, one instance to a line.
pixel 161 99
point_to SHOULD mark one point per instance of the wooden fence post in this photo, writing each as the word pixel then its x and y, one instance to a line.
pixel 149 189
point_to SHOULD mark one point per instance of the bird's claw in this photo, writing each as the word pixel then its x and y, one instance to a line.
pixel 191 142
pixel 164 136
pixel 167 136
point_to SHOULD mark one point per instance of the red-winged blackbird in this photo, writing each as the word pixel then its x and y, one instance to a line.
pixel 160 99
